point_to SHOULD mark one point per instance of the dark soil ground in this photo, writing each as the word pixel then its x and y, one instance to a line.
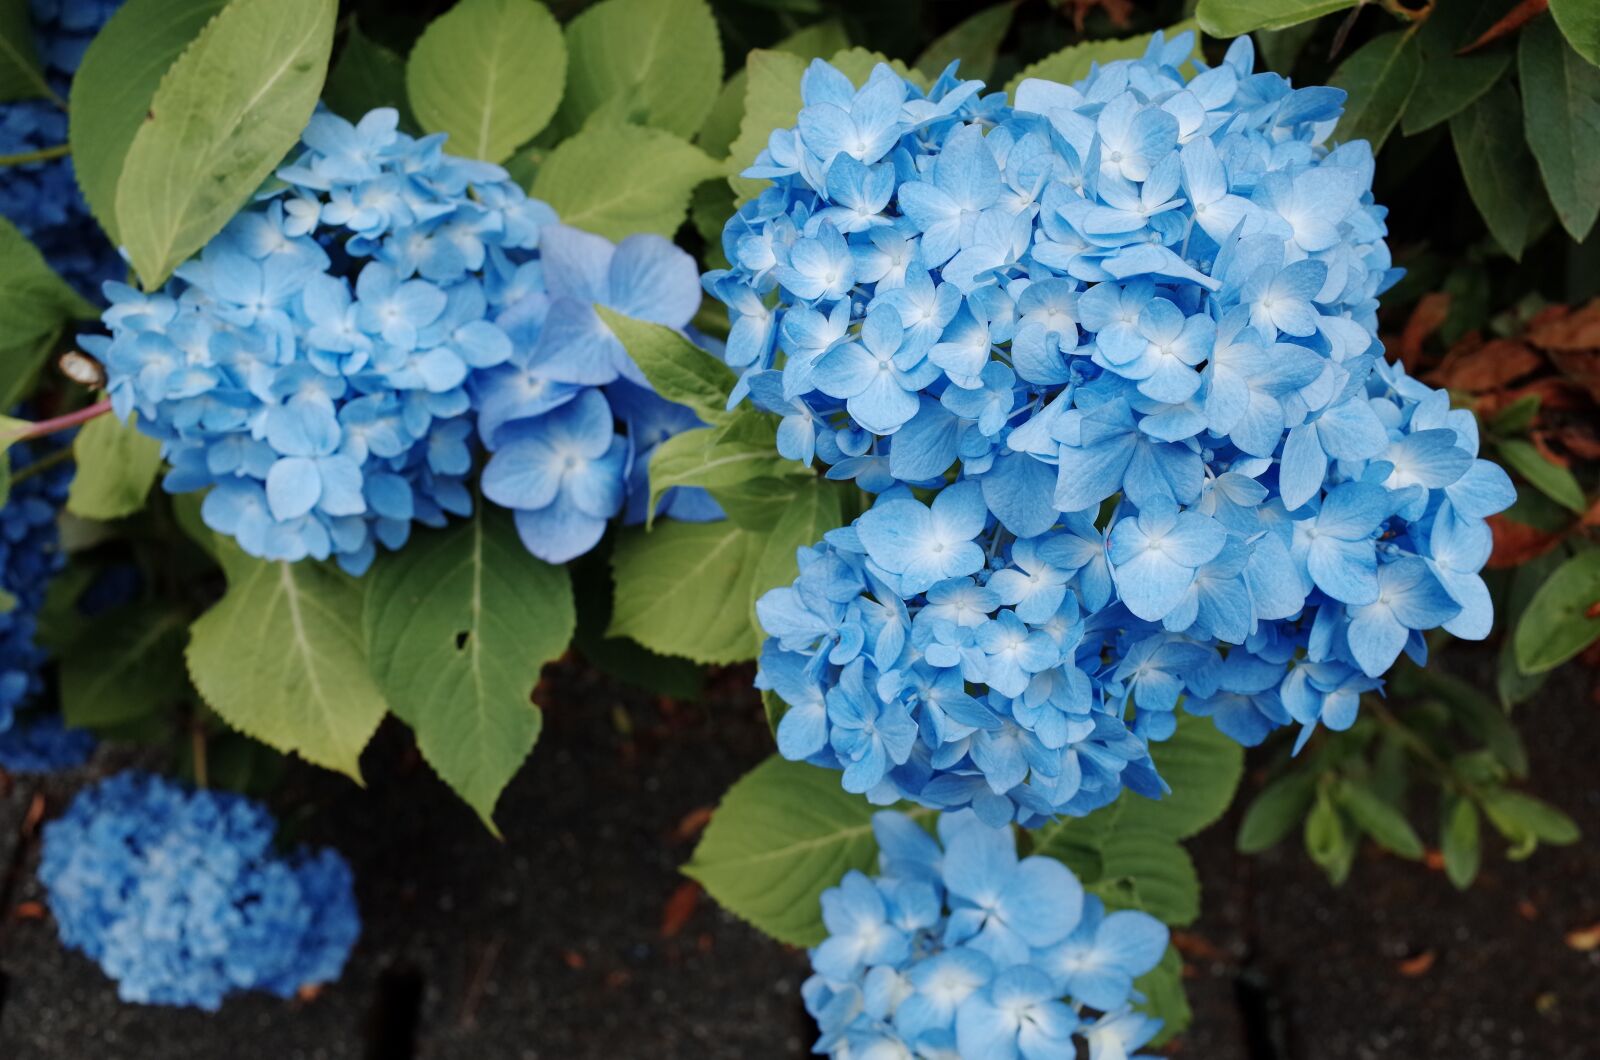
pixel 566 939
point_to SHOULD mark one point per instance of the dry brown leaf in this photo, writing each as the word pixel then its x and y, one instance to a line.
pixel 28 911
pixel 1489 366
pixel 1513 21
pixel 1425 319
pixel 679 908
pixel 1414 967
pixel 1574 330
pixel 1517 543
pixel 1580 366
pixel 692 823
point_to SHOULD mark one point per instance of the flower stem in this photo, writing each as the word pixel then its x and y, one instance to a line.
pixel 64 423
pixel 44 154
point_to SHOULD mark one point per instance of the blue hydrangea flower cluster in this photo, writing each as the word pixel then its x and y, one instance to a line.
pixel 40 742
pixel 179 896
pixel 326 363
pixel 958 948
pixel 42 198
pixel 30 555
pixel 1134 322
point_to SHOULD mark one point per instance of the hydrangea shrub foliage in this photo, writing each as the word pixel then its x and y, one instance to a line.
pixel 1027 427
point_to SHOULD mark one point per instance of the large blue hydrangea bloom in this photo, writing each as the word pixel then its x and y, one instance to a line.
pixel 180 897
pixel 958 948
pixel 326 364
pixel 1133 322
pixel 40 742
pixel 42 198
pixel 30 555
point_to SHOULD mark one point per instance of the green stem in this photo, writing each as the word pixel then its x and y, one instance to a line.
pixel 43 464
pixel 44 154
pixel 1420 747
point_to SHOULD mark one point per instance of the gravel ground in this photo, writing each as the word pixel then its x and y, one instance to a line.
pixel 576 938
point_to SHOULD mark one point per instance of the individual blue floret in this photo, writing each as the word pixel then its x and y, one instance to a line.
pixel 42 198
pixel 181 898
pixel 1125 330
pixel 329 362
pixel 30 555
pixel 959 948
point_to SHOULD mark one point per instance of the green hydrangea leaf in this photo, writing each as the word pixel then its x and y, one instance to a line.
pixel 34 301
pixel 1230 18
pixel 117 465
pixel 490 74
pixel 1579 21
pixel 458 625
pixel 281 657
pixel 1074 62
pixel 677 369
pixel 124 666
pixel 582 180
pixel 975 41
pixel 20 76
pixel 224 116
pixel 112 90
pixel 1380 77
pixel 1561 108
pixel 659 62
pixel 365 76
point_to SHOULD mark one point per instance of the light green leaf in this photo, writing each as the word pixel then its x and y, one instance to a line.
pixel 112 90
pixel 490 74
pixel 816 507
pixel 975 41
pixel 1473 710
pixel 222 119
pixel 1561 106
pixel 1385 824
pixel 1203 767
pixel 659 61
pixel 458 625
pixel 1229 18
pixel 34 301
pixel 1074 62
pixel 684 589
pixel 1499 171
pixel 771 101
pixel 588 185
pixel 784 833
pixel 366 76
pixel 722 124
pixel 1556 625
pixel 116 467
pixel 1451 82
pixel 677 369
pixel 709 458
pixel 1520 817
pixel 1278 808
pixel 1552 480
pixel 1148 871
pixel 20 77
pixel 1380 77
pixel 281 658
pixel 1579 21
pixel 1328 839
pixel 1459 841
pixel 125 665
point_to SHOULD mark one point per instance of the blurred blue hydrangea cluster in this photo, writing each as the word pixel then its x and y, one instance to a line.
pixel 180 897
pixel 958 948
pixel 40 742
pixel 30 556
pixel 42 198
pixel 1134 322
pixel 326 364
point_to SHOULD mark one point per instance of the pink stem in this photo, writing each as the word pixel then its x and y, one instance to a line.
pixel 67 422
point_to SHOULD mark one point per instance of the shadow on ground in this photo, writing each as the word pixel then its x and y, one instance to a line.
pixel 574 938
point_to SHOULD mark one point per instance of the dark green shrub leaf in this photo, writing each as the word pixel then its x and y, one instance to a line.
pixel 1500 173
pixel 1459 841
pixel 1552 480
pixel 1451 82
pixel 975 41
pixel 34 301
pixel 1328 839
pixel 1556 625
pixel 1380 78
pixel 1073 63
pixel 1579 21
pixel 367 76
pixel 1278 808
pixel 124 666
pixel 1561 105
pixel 1520 817
pixel 490 74
pixel 1386 825
pixel 20 77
